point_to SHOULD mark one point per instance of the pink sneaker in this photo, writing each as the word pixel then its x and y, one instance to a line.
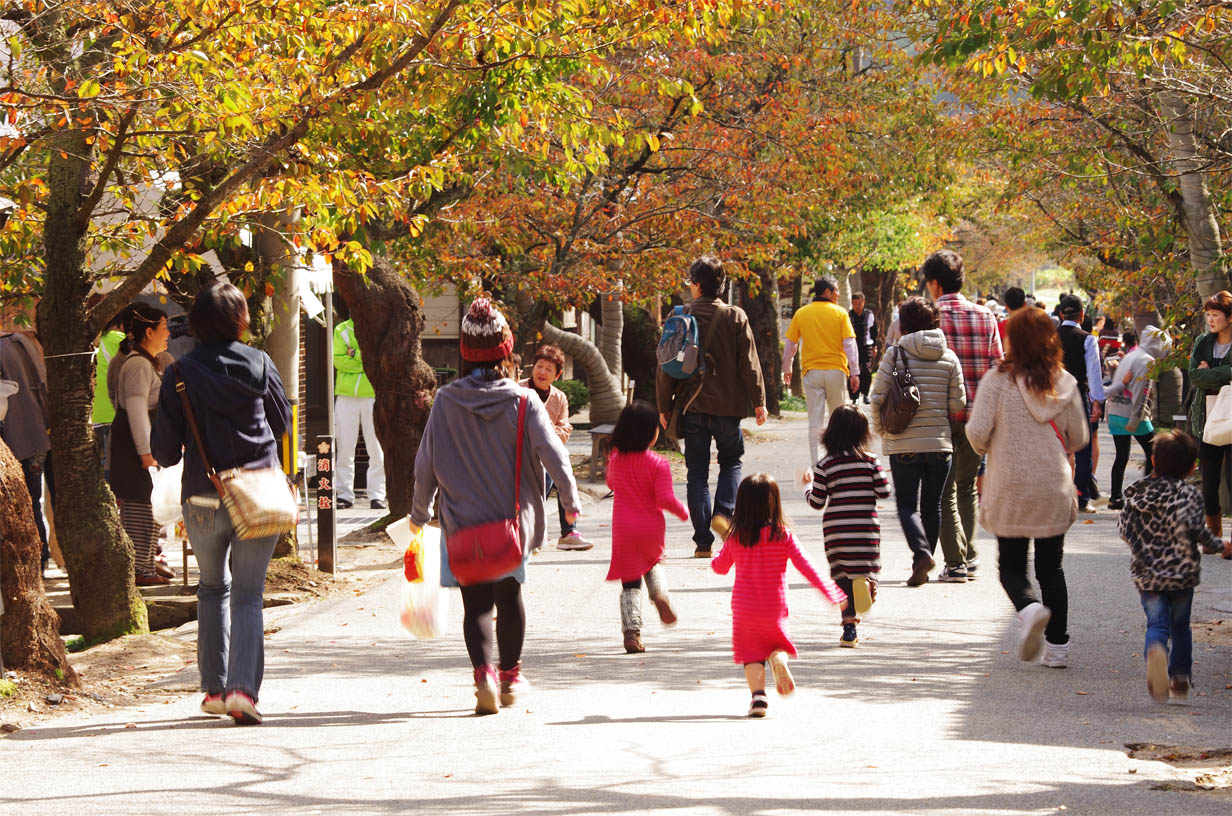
pixel 242 709
pixel 485 691
pixel 512 683
pixel 213 705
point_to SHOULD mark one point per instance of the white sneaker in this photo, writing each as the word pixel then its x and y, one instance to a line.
pixel 573 541
pixel 1090 509
pixel 1031 622
pixel 1055 656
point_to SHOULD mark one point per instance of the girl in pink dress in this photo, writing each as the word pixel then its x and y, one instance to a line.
pixel 759 547
pixel 641 482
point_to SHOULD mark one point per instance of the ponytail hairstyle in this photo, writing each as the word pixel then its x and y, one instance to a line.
pixel 138 320
pixel 758 505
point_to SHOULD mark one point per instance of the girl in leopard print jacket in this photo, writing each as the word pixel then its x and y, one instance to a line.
pixel 1164 525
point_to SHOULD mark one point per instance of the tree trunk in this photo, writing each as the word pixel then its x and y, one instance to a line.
pixel 1197 211
pixel 763 319
pixel 29 628
pixel 389 319
pixel 606 399
pixel 612 310
pixel 797 296
pixel 97 554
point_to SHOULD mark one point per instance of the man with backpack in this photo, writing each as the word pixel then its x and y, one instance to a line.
pixel 726 387
pixel 829 361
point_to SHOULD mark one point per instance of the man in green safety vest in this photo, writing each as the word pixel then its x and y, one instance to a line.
pixel 353 403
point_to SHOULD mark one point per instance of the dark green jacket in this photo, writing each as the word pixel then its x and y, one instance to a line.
pixel 1205 381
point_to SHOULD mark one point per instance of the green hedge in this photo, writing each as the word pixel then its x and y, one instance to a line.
pixel 576 392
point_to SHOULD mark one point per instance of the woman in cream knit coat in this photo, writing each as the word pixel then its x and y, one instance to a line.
pixel 1028 417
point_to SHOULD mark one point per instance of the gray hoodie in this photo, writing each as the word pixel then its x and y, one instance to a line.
pixel 938 375
pixel 467 453
pixel 1132 401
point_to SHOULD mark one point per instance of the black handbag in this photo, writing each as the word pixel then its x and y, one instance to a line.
pixel 903 398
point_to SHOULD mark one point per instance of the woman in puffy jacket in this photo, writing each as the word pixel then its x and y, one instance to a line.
pixel 920 455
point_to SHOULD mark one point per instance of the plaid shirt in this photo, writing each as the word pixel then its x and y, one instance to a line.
pixel 971 331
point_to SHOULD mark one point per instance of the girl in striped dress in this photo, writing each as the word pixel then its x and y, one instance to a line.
pixel 759 547
pixel 846 483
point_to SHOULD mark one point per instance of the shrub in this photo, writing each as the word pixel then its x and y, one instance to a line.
pixel 576 392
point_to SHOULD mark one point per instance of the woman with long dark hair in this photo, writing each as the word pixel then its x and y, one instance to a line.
pixel 1028 418
pixel 135 396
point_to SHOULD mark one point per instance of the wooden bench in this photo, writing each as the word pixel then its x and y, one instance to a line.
pixel 600 446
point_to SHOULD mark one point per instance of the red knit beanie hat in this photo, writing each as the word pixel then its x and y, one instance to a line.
pixel 485 334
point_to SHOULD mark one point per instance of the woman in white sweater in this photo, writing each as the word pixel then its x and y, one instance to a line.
pixel 1028 418
pixel 920 455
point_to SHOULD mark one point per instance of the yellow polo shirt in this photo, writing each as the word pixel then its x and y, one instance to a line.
pixel 823 326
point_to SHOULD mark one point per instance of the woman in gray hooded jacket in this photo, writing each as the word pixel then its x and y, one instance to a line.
pixel 1128 405
pixel 920 455
pixel 468 454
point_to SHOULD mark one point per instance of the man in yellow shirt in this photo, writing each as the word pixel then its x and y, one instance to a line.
pixel 827 359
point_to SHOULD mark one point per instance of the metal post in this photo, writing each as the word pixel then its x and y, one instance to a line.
pixel 327 528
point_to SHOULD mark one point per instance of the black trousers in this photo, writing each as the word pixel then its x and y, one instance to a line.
pixel 1048 572
pixel 1213 461
pixel 1145 441
pixel 478 602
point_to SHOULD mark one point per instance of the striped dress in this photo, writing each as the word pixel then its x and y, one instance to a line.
pixel 847 488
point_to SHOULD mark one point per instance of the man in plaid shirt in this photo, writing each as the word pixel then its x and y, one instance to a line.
pixel 971 332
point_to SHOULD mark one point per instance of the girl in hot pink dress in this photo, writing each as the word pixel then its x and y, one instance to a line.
pixel 759 547
pixel 642 484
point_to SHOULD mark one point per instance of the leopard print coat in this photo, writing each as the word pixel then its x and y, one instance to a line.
pixel 1164 527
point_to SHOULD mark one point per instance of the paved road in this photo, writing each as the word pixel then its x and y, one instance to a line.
pixel 931 714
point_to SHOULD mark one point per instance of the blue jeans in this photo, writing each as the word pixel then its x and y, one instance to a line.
pixel 919 479
pixel 698 429
pixel 565 527
pixel 1167 617
pixel 230 630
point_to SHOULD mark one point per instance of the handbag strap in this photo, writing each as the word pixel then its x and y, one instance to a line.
pixel 517 467
pixel 182 389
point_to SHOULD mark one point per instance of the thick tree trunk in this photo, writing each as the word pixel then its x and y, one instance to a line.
pixel 389 319
pixel 29 628
pixel 98 555
pixel 1198 215
pixel 764 320
pixel 612 309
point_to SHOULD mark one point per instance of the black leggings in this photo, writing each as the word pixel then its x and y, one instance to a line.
pixel 477 604
pixel 1212 461
pixel 1145 441
pixel 1054 595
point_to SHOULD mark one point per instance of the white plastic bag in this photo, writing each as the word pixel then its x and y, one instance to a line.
pixel 7 389
pixel 425 603
pixel 165 497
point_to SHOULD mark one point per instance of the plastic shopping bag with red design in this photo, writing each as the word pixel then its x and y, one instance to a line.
pixel 425 603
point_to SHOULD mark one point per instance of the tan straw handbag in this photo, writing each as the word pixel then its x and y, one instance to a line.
pixel 259 500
